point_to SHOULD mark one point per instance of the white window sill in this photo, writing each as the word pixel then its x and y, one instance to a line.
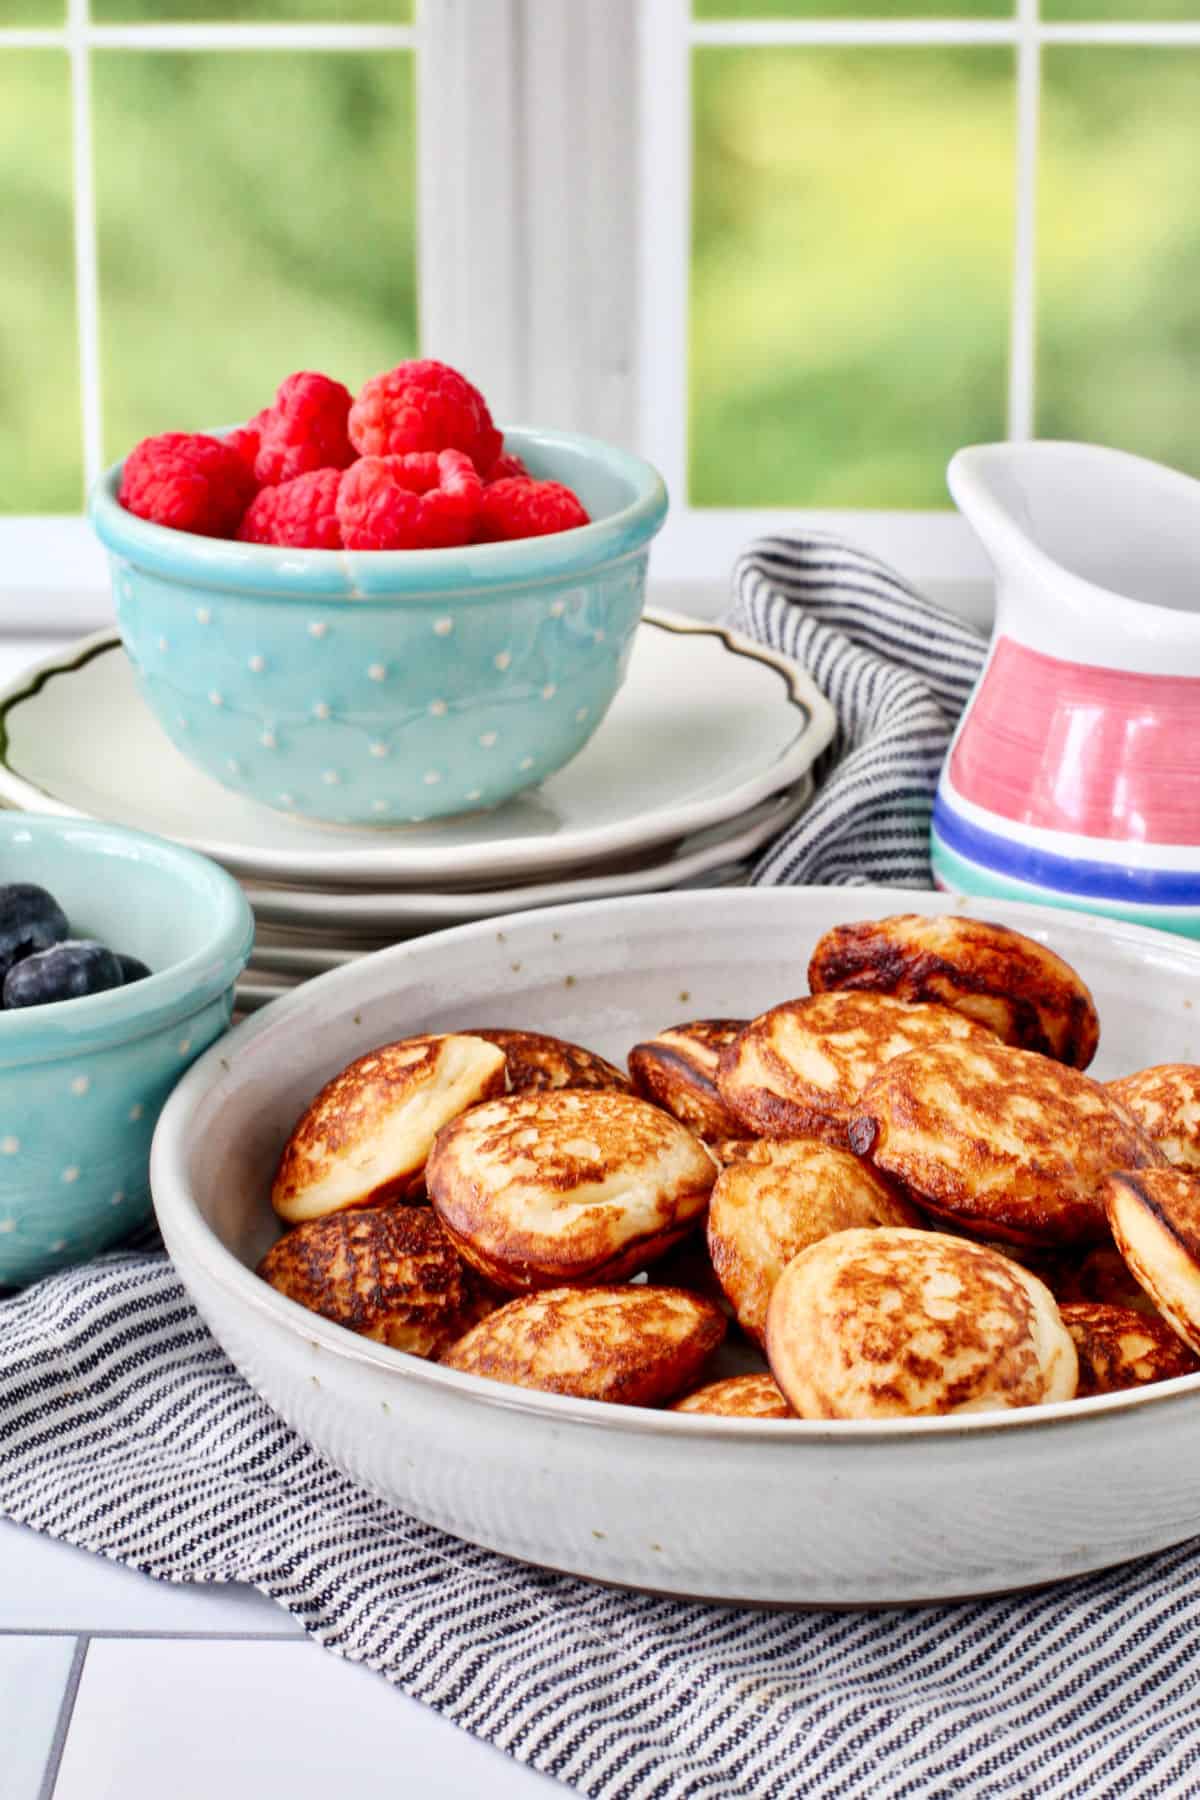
pixel 54 583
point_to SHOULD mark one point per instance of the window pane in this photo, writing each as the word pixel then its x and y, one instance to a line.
pixel 256 216
pixel 1129 12
pixel 253 12
pixel 40 453
pixel 24 13
pixel 851 271
pixel 859 9
pixel 1119 250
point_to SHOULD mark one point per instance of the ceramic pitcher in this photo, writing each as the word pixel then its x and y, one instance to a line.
pixel 1074 776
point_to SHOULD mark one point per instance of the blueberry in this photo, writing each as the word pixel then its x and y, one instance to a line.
pixel 30 920
pixel 66 971
pixel 132 968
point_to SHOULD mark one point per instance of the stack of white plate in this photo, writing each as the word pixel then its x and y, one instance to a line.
pixel 704 756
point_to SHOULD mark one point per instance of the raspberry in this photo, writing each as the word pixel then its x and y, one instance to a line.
pixel 424 406
pixel 392 502
pixel 302 512
pixel 188 481
pixel 506 467
pixel 519 508
pixel 245 440
pixel 303 429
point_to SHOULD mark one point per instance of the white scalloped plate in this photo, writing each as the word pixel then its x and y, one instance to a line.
pixel 706 725
pixel 400 911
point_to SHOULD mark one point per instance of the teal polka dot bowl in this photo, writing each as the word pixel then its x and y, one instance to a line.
pixel 387 687
pixel 82 1082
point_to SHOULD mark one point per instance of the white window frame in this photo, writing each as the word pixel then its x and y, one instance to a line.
pixel 554 224
pixel 934 548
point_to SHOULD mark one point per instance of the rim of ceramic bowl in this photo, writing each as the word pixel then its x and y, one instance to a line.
pixel 68 1028
pixel 183 1225
pixel 409 576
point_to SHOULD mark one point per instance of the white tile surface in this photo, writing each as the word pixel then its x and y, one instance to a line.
pixel 33 1679
pixel 48 1586
pixel 257 1721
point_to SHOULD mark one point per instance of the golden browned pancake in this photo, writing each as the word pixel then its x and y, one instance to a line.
pixel 798 1070
pixel 1002 1142
pixel 738 1397
pixel 387 1272
pixel 678 1071
pixel 1165 1101
pixel 764 1212
pixel 365 1137
pixel 893 1323
pixel 544 1188
pixel 1100 1278
pixel 727 1150
pixel 1155 1219
pixel 536 1061
pixel 1119 1348
pixel 1016 987
pixel 633 1345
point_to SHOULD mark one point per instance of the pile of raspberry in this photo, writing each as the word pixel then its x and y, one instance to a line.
pixel 413 463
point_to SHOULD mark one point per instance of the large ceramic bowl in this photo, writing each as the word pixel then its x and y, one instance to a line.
pixel 381 687
pixel 753 1510
pixel 82 1082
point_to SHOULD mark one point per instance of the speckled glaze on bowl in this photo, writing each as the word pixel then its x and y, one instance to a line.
pixel 382 687
pixel 82 1082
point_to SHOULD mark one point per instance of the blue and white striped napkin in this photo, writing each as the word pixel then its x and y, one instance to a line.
pixel 124 1429
pixel 898 672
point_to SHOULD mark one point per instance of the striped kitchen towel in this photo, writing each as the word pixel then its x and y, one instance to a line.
pixel 124 1429
pixel 898 671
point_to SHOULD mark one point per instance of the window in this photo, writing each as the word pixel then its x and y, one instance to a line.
pixel 795 250
pixel 897 226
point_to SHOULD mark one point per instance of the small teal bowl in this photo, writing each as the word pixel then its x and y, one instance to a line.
pixel 82 1082
pixel 390 686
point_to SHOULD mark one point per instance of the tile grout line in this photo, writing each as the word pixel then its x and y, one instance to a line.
pixel 65 1713
pixel 299 1636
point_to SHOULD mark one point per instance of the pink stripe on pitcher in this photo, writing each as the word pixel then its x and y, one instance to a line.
pixel 1103 753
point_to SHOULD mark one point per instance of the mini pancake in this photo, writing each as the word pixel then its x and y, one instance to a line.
pixel 537 1061
pixel 1102 1278
pixel 1024 993
pixel 389 1273
pixel 1155 1219
pixel 738 1397
pixel 1165 1101
pixel 545 1188
pixel 364 1139
pixel 1001 1142
pixel 636 1346
pixel 798 1070
pixel 1118 1348
pixel 678 1071
pixel 764 1212
pixel 894 1323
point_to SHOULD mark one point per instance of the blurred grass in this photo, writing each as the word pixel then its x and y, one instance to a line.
pixel 40 451
pixel 852 249
pixel 256 215
pixel 25 13
pixel 1119 250
pixel 855 9
pixel 1141 12
pixel 245 12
